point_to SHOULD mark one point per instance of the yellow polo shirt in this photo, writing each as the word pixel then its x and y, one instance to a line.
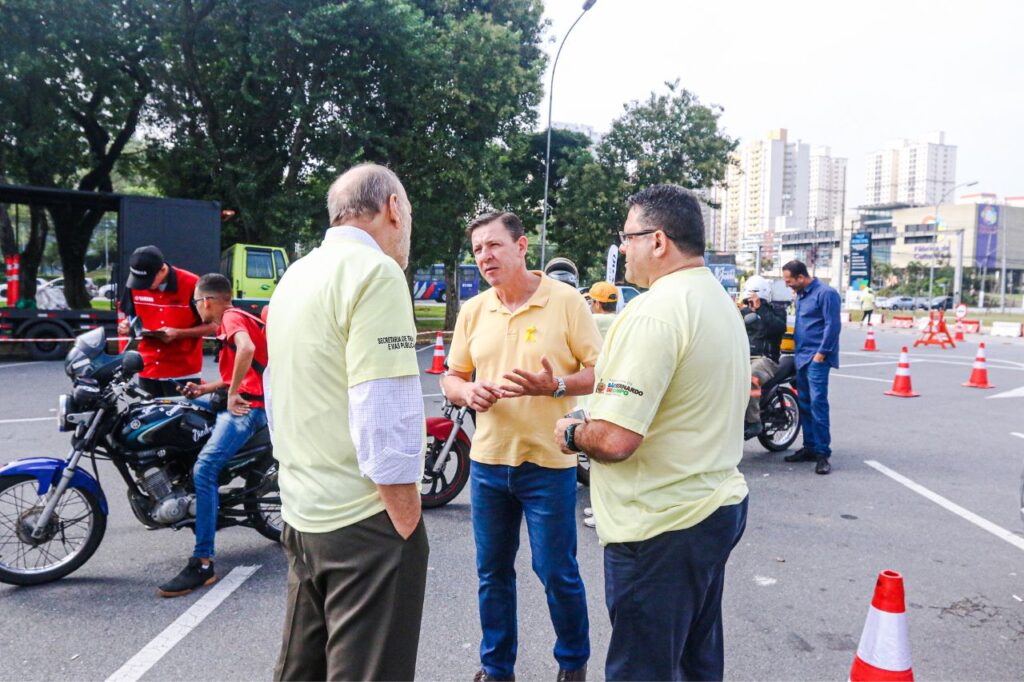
pixel 674 368
pixel 492 341
pixel 604 322
pixel 341 316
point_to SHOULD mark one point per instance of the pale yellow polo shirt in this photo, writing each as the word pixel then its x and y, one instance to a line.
pixel 674 368
pixel 341 316
pixel 604 322
pixel 493 341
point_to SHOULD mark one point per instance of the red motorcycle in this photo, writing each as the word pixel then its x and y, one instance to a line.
pixel 447 462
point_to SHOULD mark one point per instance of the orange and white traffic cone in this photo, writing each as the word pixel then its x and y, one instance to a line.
pixel 901 387
pixel 959 331
pixel 438 366
pixel 884 650
pixel 869 343
pixel 979 375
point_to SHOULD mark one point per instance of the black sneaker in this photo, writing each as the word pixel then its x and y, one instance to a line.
pixel 801 455
pixel 482 676
pixel 579 675
pixel 822 467
pixel 192 576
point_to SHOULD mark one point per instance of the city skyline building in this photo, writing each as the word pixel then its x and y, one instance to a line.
pixel 917 173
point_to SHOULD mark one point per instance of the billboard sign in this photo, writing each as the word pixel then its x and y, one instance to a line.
pixel 988 236
pixel 860 260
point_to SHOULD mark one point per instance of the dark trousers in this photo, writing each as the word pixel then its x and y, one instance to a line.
pixel 664 596
pixel 355 602
pixel 502 496
pixel 812 400
pixel 867 316
pixel 165 388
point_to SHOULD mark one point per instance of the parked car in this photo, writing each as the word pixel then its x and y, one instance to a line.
pixel 902 303
pixel 3 287
pixel 107 291
pixel 941 303
pixel 883 302
pixel 90 286
pixel 626 294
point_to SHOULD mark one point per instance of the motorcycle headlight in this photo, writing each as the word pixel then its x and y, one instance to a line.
pixel 63 410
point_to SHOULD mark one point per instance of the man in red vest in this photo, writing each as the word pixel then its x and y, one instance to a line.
pixel 160 296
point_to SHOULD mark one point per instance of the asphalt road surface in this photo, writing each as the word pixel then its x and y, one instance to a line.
pixel 798 586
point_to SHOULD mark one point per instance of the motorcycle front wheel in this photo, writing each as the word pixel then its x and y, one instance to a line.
pixel 440 488
pixel 781 420
pixel 69 540
pixel 264 504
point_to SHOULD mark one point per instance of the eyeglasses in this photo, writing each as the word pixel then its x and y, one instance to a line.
pixel 626 236
pixel 199 300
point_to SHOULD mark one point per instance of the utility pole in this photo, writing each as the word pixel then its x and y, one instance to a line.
pixel 1003 232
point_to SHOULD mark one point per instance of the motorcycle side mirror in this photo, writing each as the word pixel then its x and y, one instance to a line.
pixel 132 364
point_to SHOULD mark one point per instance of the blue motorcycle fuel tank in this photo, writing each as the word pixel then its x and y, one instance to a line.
pixel 166 424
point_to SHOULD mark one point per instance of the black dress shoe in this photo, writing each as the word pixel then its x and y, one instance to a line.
pixel 482 676
pixel 801 455
pixel 822 467
pixel 579 675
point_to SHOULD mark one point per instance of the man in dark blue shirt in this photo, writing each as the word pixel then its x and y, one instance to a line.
pixel 817 352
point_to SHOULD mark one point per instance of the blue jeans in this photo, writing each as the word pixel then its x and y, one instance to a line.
pixel 664 598
pixel 230 433
pixel 501 496
pixel 812 399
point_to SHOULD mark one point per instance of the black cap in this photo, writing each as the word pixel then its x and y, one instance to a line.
pixel 143 266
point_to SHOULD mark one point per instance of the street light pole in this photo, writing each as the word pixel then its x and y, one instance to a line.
pixel 960 256
pixel 547 154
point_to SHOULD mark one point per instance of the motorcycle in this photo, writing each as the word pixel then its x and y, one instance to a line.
pixel 780 415
pixel 446 469
pixel 53 513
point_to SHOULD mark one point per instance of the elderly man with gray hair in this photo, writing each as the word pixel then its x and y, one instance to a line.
pixel 349 436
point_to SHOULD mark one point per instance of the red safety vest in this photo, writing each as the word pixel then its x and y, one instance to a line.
pixel 172 307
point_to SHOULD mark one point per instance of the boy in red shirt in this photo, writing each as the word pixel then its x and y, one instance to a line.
pixel 242 361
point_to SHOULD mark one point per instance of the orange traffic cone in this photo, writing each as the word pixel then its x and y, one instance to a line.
pixel 869 343
pixel 901 384
pixel 884 650
pixel 979 375
pixel 959 335
pixel 438 366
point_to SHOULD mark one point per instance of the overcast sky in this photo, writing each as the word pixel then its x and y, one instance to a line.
pixel 850 76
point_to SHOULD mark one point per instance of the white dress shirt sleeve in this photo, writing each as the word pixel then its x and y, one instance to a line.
pixel 386 419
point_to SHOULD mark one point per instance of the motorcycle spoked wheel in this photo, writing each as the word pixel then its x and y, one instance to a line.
pixel 71 537
pixel 782 422
pixel 265 510
pixel 444 486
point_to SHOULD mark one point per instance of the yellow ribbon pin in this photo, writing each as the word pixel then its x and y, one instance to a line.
pixel 531 333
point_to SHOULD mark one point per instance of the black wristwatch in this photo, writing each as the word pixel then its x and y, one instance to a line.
pixel 570 437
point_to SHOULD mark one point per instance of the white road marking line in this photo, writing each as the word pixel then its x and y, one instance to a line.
pixel 1019 435
pixel 764 581
pixel 140 663
pixel 854 376
pixel 420 350
pixel 33 419
pixel 18 364
pixel 978 521
pixel 870 364
pixel 1015 393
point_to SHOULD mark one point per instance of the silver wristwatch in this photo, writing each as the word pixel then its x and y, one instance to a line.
pixel 560 391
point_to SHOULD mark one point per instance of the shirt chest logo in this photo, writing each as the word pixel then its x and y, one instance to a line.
pixel 531 334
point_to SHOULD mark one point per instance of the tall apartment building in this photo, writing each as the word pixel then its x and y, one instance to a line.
pixel 775 185
pixel 917 173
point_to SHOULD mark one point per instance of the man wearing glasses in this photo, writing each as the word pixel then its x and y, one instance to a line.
pixel 242 360
pixel 665 436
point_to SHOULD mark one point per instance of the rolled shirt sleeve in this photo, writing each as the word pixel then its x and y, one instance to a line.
pixel 386 420
pixel 830 305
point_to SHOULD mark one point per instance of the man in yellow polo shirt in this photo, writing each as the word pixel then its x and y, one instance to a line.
pixel 533 344
pixel 349 436
pixel 664 438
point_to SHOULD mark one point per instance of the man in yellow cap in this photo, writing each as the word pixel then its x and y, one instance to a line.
pixel 603 298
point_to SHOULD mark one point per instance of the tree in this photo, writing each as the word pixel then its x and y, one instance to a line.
pixel 73 89
pixel 670 138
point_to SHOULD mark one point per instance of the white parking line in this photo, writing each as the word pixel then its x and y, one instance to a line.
pixel 32 419
pixel 1019 435
pixel 141 662
pixel 978 521
pixel 1015 393
pixel 19 364
pixel 869 364
pixel 854 376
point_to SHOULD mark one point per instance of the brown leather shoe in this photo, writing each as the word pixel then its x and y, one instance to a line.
pixel 573 675
pixel 482 676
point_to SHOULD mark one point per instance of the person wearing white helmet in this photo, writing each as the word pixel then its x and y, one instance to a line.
pixel 766 325
pixel 563 270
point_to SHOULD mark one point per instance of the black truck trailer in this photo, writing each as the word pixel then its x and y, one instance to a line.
pixel 186 230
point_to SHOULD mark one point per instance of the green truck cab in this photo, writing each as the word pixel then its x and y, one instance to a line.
pixel 254 272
